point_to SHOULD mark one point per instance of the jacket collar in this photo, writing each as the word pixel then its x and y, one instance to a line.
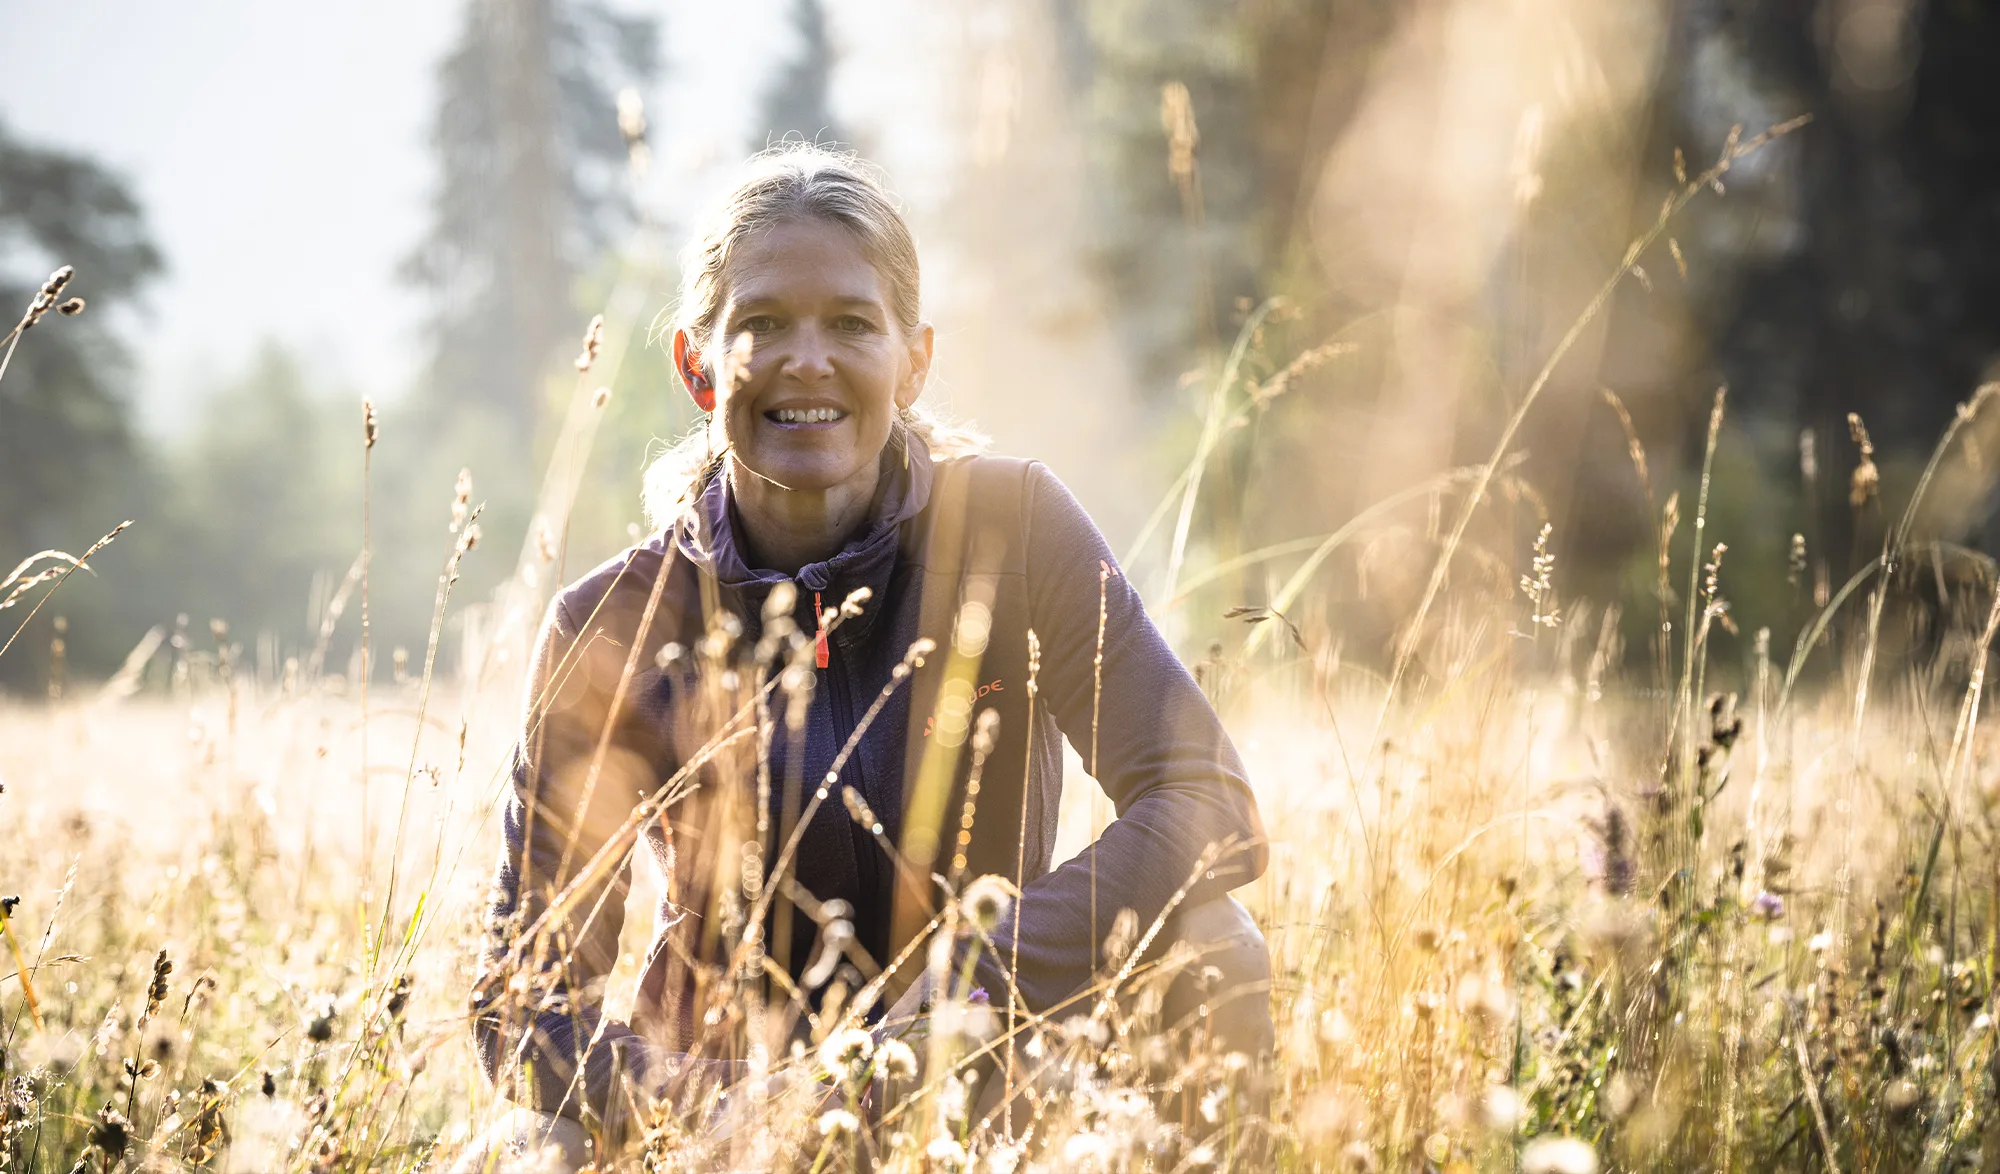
pixel 707 532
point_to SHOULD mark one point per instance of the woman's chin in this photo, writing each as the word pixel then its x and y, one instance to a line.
pixel 801 472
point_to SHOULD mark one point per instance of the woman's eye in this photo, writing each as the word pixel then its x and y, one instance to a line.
pixel 850 324
pixel 758 324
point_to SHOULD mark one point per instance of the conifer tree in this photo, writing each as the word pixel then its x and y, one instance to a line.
pixel 797 105
pixel 531 191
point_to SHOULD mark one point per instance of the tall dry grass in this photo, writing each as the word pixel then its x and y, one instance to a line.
pixel 1534 903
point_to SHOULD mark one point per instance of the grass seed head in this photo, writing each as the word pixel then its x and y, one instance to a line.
pixel 156 991
pixel 846 1053
pixel 593 341
pixel 1558 1155
pixel 896 1060
pixel 986 901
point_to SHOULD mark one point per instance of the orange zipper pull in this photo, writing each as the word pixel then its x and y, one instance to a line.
pixel 820 650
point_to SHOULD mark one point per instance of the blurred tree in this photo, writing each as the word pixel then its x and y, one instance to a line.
pixel 1852 270
pixel 65 432
pixel 1206 125
pixel 1175 220
pixel 264 482
pixel 531 190
pixel 796 105
pixel 70 468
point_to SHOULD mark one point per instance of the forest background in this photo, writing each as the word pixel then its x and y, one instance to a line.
pixel 1104 189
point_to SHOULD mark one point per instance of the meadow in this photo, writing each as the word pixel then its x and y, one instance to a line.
pixel 1537 901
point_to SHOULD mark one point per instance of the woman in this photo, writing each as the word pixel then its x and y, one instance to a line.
pixel 749 690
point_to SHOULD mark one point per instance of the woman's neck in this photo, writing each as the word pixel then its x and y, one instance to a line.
pixel 786 529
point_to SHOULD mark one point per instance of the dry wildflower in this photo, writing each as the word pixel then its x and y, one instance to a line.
pixel 838 1124
pixel 368 424
pixel 1680 167
pixel 593 342
pixel 71 308
pixel 139 1070
pixel 1558 1155
pixel 111 1135
pixel 1867 479
pixel 210 1130
pixel 946 1154
pixel 1680 262
pixel 896 1060
pixel 846 1053
pixel 600 397
pixel 986 901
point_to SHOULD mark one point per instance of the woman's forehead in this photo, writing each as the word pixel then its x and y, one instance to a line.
pixel 802 259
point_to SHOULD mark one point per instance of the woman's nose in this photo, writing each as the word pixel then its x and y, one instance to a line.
pixel 809 358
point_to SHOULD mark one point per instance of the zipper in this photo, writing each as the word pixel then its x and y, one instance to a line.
pixel 841 709
pixel 822 652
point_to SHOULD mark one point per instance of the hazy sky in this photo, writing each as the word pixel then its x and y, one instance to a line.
pixel 279 151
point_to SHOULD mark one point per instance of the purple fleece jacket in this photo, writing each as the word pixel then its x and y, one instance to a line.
pixel 1161 755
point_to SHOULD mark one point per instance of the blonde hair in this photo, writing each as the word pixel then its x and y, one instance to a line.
pixel 790 182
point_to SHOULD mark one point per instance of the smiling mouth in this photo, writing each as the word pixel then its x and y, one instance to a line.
pixel 805 415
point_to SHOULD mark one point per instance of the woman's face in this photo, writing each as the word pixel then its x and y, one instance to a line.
pixel 828 363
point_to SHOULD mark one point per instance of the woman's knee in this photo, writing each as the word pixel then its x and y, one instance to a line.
pixel 1227 988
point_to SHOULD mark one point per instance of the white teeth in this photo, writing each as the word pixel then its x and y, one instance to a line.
pixel 808 415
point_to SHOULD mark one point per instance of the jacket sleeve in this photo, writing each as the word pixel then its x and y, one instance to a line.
pixel 537 1002
pixel 1150 738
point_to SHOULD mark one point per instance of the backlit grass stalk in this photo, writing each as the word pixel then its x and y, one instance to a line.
pixel 1407 646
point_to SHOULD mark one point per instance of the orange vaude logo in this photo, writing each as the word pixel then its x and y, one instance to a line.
pixel 930 723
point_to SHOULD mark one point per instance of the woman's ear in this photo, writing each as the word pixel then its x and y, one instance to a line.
pixel 687 362
pixel 921 344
